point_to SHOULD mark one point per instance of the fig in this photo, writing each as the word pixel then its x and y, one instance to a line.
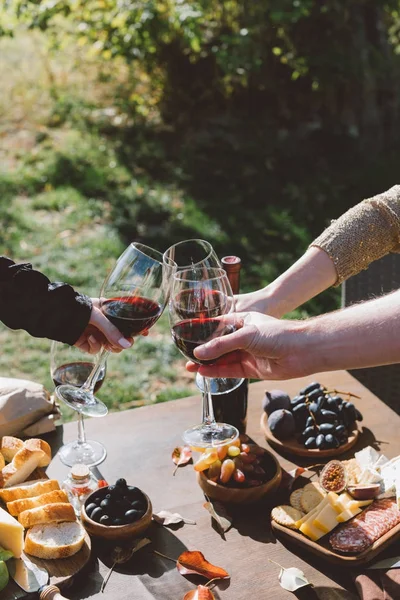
pixel 366 491
pixel 275 399
pixel 333 477
pixel 281 424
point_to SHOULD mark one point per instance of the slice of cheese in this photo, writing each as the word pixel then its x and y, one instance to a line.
pixel 311 531
pixel 312 513
pixel 11 534
pixel 326 520
pixel 348 513
pixel 358 503
pixel 343 501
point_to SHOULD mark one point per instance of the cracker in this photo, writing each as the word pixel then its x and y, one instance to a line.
pixel 353 470
pixel 286 515
pixel 311 496
pixel 295 499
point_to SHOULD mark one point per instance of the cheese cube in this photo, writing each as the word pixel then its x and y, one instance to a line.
pixel 326 520
pixel 347 514
pixel 343 500
pixel 11 534
pixel 311 531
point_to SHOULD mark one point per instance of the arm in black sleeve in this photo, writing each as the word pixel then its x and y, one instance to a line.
pixel 28 300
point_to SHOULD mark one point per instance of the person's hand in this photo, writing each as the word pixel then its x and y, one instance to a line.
pixel 100 332
pixel 253 301
pixel 262 348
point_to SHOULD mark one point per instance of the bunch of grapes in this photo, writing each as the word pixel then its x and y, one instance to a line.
pixel 238 464
pixel 317 417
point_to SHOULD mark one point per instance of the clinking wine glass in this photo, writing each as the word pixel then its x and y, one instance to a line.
pixel 199 254
pixel 132 297
pixel 201 308
pixel 70 365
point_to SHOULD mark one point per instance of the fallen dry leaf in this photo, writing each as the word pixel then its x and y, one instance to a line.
pixel 219 514
pixel 193 562
pixel 181 455
pixel 201 593
pixel 291 579
pixel 164 517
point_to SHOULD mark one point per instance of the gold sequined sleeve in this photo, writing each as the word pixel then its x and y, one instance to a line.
pixel 366 232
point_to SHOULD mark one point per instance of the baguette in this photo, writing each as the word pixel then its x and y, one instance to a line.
pixel 22 465
pixel 10 446
pixel 17 506
pixel 52 541
pixel 49 513
pixel 29 490
pixel 36 444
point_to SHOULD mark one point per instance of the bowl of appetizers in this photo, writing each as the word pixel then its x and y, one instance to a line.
pixel 238 473
pixel 117 512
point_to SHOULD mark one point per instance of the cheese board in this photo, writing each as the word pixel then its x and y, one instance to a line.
pixel 292 446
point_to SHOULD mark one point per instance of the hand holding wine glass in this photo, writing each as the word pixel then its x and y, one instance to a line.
pixel 132 297
pixel 201 308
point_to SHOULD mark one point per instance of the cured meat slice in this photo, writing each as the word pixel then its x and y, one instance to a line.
pixel 376 520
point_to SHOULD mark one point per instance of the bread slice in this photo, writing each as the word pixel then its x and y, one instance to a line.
pixel 10 446
pixel 22 465
pixel 57 540
pixel 2 461
pixel 49 513
pixel 18 506
pixel 36 444
pixel 29 489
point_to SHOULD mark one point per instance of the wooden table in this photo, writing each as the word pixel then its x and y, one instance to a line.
pixel 139 444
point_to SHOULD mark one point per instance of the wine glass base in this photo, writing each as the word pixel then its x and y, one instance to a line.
pixel 206 436
pixel 81 401
pixel 90 453
pixel 219 385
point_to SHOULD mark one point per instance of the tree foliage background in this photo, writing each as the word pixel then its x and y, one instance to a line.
pixel 252 124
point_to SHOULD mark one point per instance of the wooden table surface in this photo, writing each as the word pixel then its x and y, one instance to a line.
pixel 139 443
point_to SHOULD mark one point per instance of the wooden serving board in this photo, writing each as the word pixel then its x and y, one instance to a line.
pixel 292 446
pixel 323 550
pixel 60 570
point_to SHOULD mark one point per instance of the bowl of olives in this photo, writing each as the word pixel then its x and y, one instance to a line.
pixel 117 512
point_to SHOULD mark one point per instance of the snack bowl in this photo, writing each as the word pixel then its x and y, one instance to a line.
pixel 125 529
pixel 243 495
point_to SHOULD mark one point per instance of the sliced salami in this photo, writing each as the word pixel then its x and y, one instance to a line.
pixel 376 520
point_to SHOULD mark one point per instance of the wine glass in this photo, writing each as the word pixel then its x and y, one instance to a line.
pixel 195 254
pixel 201 308
pixel 70 365
pixel 133 297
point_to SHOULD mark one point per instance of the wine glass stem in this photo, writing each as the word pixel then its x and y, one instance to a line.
pixel 81 430
pixel 90 382
pixel 208 411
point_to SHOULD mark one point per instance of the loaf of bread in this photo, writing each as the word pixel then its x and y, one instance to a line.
pixel 49 513
pixel 35 444
pixel 51 541
pixel 29 490
pixel 17 506
pixel 22 465
pixel 10 446
pixel 2 461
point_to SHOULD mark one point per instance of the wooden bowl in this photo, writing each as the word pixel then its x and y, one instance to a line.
pixel 116 532
pixel 217 491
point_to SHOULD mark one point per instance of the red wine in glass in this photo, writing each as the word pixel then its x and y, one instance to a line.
pixel 200 304
pixel 191 333
pixel 132 315
pixel 76 373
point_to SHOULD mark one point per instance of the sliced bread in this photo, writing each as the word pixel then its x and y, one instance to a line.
pixel 10 446
pixel 18 506
pixel 50 513
pixel 29 489
pixel 36 444
pixel 22 465
pixel 56 540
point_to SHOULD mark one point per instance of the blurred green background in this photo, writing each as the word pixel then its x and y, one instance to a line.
pixel 250 124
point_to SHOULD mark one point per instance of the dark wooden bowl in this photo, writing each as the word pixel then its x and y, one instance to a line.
pixel 116 532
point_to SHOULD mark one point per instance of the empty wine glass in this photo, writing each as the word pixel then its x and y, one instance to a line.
pixel 196 254
pixel 201 308
pixel 133 297
pixel 70 365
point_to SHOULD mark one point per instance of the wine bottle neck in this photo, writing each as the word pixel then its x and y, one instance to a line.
pixel 232 266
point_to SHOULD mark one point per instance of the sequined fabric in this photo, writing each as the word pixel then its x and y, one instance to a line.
pixel 366 232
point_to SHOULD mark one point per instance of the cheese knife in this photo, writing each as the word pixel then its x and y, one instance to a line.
pixel 32 578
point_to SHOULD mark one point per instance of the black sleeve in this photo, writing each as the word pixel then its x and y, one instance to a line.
pixel 28 300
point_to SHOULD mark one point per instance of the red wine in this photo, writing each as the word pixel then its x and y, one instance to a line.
pixel 76 374
pixel 132 315
pixel 191 333
pixel 200 304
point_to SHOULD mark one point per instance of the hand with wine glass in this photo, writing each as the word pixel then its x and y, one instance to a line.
pixel 132 297
pixel 69 365
pixel 201 308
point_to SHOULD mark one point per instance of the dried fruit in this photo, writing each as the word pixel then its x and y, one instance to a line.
pixel 364 491
pixel 333 477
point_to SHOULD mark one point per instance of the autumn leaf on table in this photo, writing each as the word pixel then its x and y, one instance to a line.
pixel 219 513
pixel 164 517
pixel 194 563
pixel 181 455
pixel 202 592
